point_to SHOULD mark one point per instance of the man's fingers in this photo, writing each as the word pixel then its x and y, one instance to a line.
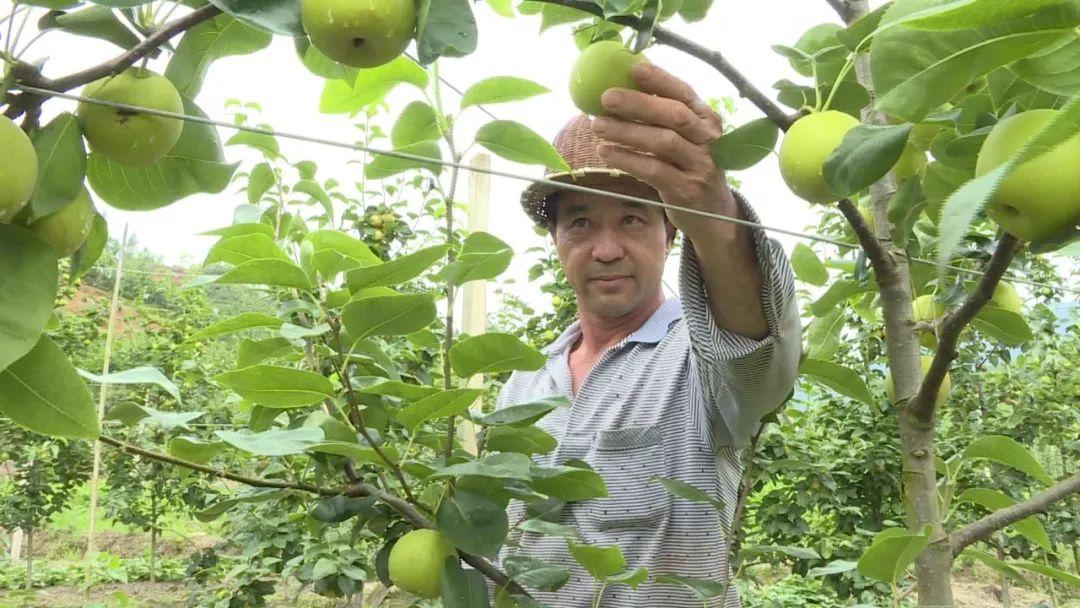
pixel 665 112
pixel 663 143
pixel 658 81
pixel 663 177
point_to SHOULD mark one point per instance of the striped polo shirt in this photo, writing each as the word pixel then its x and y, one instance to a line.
pixel 677 398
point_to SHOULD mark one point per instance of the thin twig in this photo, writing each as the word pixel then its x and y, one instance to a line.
pixel 923 404
pixel 983 528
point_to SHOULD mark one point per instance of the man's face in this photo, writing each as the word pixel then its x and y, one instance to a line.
pixel 612 251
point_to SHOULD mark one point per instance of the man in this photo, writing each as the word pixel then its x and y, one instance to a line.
pixel 658 388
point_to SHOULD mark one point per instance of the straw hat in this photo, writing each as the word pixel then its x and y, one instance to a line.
pixel 577 144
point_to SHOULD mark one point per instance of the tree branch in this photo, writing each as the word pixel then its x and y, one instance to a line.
pixel 875 252
pixel 842 8
pixel 714 58
pixel 983 528
pixel 399 504
pixel 32 76
pixel 923 404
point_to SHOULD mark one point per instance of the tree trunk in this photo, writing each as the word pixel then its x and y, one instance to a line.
pixel 932 568
pixel 1076 558
pixel 153 553
pixel 29 559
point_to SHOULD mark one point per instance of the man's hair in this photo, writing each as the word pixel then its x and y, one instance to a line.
pixel 551 215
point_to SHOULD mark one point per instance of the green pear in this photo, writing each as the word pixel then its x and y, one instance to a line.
pixel 1006 297
pixel 808 143
pixel 18 171
pixel 927 309
pixel 601 66
pixel 66 230
pixel 359 33
pixel 132 138
pixel 416 562
pixel 1041 198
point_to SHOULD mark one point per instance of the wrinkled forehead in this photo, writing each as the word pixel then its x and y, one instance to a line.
pixel 575 203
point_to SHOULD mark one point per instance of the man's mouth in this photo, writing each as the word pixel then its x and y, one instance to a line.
pixel 611 279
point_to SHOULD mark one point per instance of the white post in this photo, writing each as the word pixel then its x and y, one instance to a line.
pixel 474 299
pixel 113 308
pixel 16 544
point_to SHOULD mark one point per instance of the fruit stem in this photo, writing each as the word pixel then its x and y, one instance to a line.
pixel 848 65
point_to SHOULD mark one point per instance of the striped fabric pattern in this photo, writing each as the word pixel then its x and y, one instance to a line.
pixel 678 398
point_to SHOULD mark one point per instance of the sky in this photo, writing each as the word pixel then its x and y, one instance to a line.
pixel 289 96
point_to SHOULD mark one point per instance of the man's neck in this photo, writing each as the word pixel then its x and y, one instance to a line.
pixel 600 333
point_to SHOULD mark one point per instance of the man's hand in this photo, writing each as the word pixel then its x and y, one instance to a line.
pixel 668 120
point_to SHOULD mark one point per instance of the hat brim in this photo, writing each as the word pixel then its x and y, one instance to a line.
pixel 534 197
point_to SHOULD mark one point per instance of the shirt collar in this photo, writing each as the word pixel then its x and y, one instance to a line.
pixel 651 331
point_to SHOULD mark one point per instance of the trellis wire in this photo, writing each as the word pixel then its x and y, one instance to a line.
pixel 515 176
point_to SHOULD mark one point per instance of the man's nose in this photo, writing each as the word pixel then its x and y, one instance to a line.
pixel 607 247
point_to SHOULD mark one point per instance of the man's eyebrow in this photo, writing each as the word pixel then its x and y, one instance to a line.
pixel 574 209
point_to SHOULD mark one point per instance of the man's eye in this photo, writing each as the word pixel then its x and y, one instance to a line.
pixel 633 219
pixel 580 222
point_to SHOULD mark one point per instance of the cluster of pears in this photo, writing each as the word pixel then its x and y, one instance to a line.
pixel 1037 201
pixel 123 136
pixel 66 229
pixel 360 33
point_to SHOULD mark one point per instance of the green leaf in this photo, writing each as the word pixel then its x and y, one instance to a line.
pixel 569 483
pixel 251 352
pixel 396 271
pixel 837 566
pixel 42 392
pixel 807 266
pixel 416 123
pixel 695 10
pixel 499 466
pixel 195 164
pixel 1010 328
pixel 440 405
pixel 482 256
pixel 320 65
pixel 270 272
pixel 277 386
pixel 1056 70
pixel 222 36
pixel 426 154
pixel 137 375
pixel 867 153
pixel 1054 573
pixel 1008 452
pixel 993 562
pixel 88 255
pixel 262 142
pixel 792 552
pixel 168 420
pixel 372 385
pixel 600 562
pixel 838 292
pixel 28 285
pixel 336 252
pixel 633 578
pixel 388 315
pixel 501 89
pixel 523 414
pixel 475 523
pixel 94 22
pixel 688 492
pixel 462 588
pixel 445 28
pixel 516 142
pixel 838 378
pixel 194 449
pixel 336 509
pixel 276 16
pixel 492 353
pixel 970 14
pixel 528 440
pixel 61 158
pixel 823 335
pixel 260 180
pixel 243 248
pixel 247 320
pixel 892 551
pixel 994 500
pixel 745 146
pixel 275 442
pixel 911 84
pixel 371 85
pixel 704 589
pixel 535 573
